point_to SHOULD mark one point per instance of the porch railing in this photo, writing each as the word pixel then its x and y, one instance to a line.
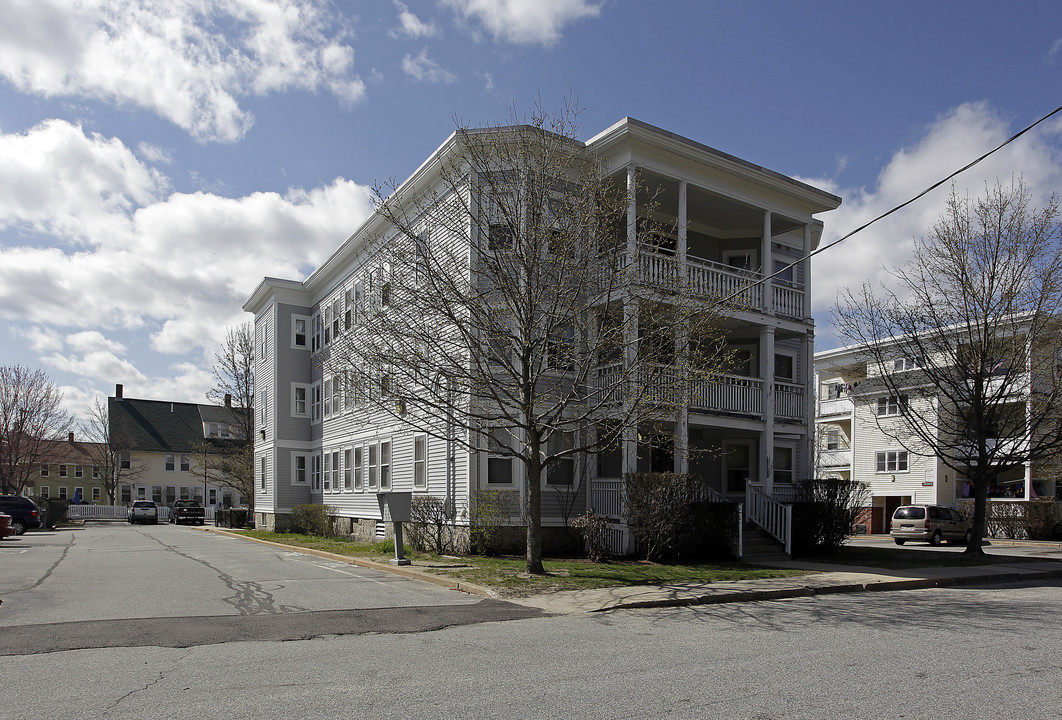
pixel 606 497
pixel 789 401
pixel 717 393
pixel 770 513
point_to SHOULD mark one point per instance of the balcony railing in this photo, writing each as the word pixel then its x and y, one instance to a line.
pixel 706 278
pixel 835 458
pixel 836 406
pixel 664 384
pixel 789 401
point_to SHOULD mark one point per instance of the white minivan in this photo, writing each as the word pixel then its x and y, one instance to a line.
pixel 929 523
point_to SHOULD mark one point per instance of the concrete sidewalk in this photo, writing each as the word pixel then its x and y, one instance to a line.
pixel 822 579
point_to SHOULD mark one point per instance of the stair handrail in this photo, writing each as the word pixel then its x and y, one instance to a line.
pixel 776 518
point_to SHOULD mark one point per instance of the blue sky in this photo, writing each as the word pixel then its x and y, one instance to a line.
pixel 158 159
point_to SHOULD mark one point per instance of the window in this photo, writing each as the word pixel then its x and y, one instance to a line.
pixel 889 406
pixel 156 494
pixel 347 469
pixel 327 324
pixel 783 367
pixel 212 496
pixel 44 491
pixel 265 408
pixel 62 471
pixel 420 462
pixel 79 471
pixel 561 472
pixel 335 470
pixel 499 465
pixel 891 461
pixel 783 464
pixel 44 471
pixel 262 474
pixel 125 460
pixel 298 331
pixel 906 363
pixel 171 463
pixel 337 318
pixel 185 495
pixel 95 472
pixel 385 466
pixel 499 237
pixel 186 463
pixel 299 399
pixel 315 338
pixel 95 494
pixel 785 273
pixel 385 294
pixel 737 461
pixel 126 494
pixel 337 395
pixel 348 391
pixel 328 397
pixel 315 472
pixel 833 438
pixel 327 472
pixel 348 309
pixel 315 402
pixel 62 493
pixel 374 466
pixel 298 469
pixel 358 467
pixel 359 302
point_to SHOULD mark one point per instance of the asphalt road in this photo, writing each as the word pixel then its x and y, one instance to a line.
pixel 949 652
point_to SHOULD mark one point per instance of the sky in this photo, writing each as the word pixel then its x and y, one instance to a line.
pixel 158 159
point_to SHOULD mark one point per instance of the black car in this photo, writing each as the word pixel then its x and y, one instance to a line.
pixel 25 515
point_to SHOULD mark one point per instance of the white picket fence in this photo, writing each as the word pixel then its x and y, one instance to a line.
pixel 119 512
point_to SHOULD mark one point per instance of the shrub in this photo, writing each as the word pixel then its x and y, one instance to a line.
pixel 670 517
pixel 312 519
pixel 593 528
pixel 489 512
pixel 825 513
pixel 430 528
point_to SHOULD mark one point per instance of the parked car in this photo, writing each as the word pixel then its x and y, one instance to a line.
pixel 143 511
pixel 930 523
pixel 188 511
pixel 25 515
pixel 5 526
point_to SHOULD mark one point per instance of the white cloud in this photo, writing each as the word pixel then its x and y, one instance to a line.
pixel 525 22
pixel 423 69
pixel 188 70
pixel 178 267
pixel 154 154
pixel 411 25
pixel 949 143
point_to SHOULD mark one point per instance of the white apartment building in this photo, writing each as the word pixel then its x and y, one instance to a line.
pixel 735 222
pixel 856 424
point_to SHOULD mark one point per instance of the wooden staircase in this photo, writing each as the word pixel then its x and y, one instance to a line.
pixel 759 548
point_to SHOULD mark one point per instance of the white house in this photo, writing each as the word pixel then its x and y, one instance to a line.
pixel 734 220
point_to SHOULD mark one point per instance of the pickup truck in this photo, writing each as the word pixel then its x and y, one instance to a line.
pixel 188 511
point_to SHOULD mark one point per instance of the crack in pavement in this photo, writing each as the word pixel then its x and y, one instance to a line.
pixel 249 598
pixel 49 572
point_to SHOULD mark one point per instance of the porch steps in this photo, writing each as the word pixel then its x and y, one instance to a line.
pixel 759 548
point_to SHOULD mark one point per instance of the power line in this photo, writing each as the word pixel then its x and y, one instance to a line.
pixel 902 205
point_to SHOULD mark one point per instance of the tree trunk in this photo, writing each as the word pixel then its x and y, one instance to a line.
pixel 980 512
pixel 532 483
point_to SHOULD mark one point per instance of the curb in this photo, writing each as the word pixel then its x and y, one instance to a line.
pixel 401 570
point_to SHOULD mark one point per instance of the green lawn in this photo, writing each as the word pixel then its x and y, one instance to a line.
pixel 507 577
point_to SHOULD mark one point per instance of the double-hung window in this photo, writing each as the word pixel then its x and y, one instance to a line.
pixel 420 462
pixel 347 470
pixel 328 397
pixel 891 461
pixel 299 400
pixel 170 463
pixel 299 469
pixel 359 457
pixel 299 331
pixel 385 465
pixel 315 402
pixel 892 405
pixel 315 472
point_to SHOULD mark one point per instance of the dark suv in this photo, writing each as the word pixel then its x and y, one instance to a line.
pixel 25 515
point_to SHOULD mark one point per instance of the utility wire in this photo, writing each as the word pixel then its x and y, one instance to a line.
pixel 902 205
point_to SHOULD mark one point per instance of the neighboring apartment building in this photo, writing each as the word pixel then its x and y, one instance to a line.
pixel 856 424
pixel 72 472
pixel 732 220
pixel 170 445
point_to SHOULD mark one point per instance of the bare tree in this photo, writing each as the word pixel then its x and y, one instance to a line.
pixel 110 449
pixel 967 346
pixel 234 376
pixel 229 461
pixel 504 313
pixel 31 415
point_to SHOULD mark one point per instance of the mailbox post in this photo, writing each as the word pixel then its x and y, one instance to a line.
pixel 396 508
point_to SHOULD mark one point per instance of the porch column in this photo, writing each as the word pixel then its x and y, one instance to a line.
pixel 807 379
pixel 630 358
pixel 767 374
pixel 806 265
pixel 682 340
pixel 768 263
pixel 632 214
